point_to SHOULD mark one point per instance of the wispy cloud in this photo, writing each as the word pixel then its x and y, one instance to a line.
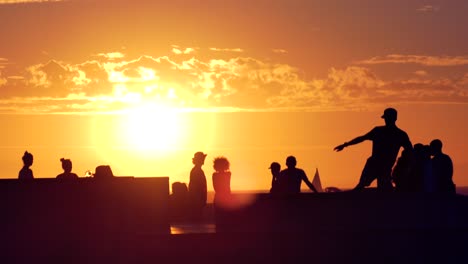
pixel 15 77
pixel 227 49
pixel 178 50
pixel 230 84
pixel 7 2
pixel 418 59
pixel 428 9
pixel 421 73
pixel 2 80
pixel 280 51
pixel 111 55
pixel 3 61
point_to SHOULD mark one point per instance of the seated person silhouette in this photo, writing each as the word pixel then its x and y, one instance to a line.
pixel 179 201
pixel 275 168
pixel 67 167
pixel 401 174
pixel 291 178
pixel 103 172
pixel 442 168
pixel 26 173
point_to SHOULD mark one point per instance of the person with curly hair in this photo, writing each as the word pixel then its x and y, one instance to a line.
pixel 221 180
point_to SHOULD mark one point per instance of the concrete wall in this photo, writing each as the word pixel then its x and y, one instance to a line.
pixel 347 211
pixel 52 210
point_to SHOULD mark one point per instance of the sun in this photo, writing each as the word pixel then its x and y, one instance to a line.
pixel 151 127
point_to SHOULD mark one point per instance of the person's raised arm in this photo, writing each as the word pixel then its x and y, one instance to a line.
pixel 352 142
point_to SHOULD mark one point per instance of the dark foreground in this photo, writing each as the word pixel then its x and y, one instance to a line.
pixel 378 246
pixel 127 221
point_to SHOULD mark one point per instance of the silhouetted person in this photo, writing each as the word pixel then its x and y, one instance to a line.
pixel 386 143
pixel 442 168
pixel 26 173
pixel 401 173
pixel 418 168
pixel 103 172
pixel 222 181
pixel 197 185
pixel 67 167
pixel 275 168
pixel 291 178
pixel 429 180
pixel 179 201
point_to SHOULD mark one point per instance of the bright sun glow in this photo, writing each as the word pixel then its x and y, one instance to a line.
pixel 152 127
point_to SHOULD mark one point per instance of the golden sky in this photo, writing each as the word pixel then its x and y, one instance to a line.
pixel 142 85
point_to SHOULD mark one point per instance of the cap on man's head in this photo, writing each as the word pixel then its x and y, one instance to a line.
pixel 274 165
pixel 199 155
pixel 390 113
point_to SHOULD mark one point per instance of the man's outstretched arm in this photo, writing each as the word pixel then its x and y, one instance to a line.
pixel 352 142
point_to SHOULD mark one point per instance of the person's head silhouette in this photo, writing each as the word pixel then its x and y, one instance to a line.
pixel 27 159
pixel 275 167
pixel 199 158
pixel 390 116
pixel 66 165
pixel 291 162
pixel 179 188
pixel 436 146
pixel 221 164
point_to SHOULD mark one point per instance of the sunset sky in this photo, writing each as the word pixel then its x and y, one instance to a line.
pixel 142 85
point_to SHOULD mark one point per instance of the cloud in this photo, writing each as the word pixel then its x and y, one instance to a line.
pixel 111 55
pixel 418 59
pixel 15 77
pixel 421 73
pixel 177 50
pixel 3 62
pixel 2 80
pixel 342 89
pixel 227 50
pixel 428 9
pixel 279 51
pixel 109 84
pixel 7 2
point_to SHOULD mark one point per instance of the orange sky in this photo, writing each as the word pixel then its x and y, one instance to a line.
pixel 142 85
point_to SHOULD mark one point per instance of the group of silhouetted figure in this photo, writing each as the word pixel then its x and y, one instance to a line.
pixel 192 200
pixel 26 174
pixel 422 168
pixel 288 181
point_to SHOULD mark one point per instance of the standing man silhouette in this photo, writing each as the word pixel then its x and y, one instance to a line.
pixel 386 143
pixel 197 185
